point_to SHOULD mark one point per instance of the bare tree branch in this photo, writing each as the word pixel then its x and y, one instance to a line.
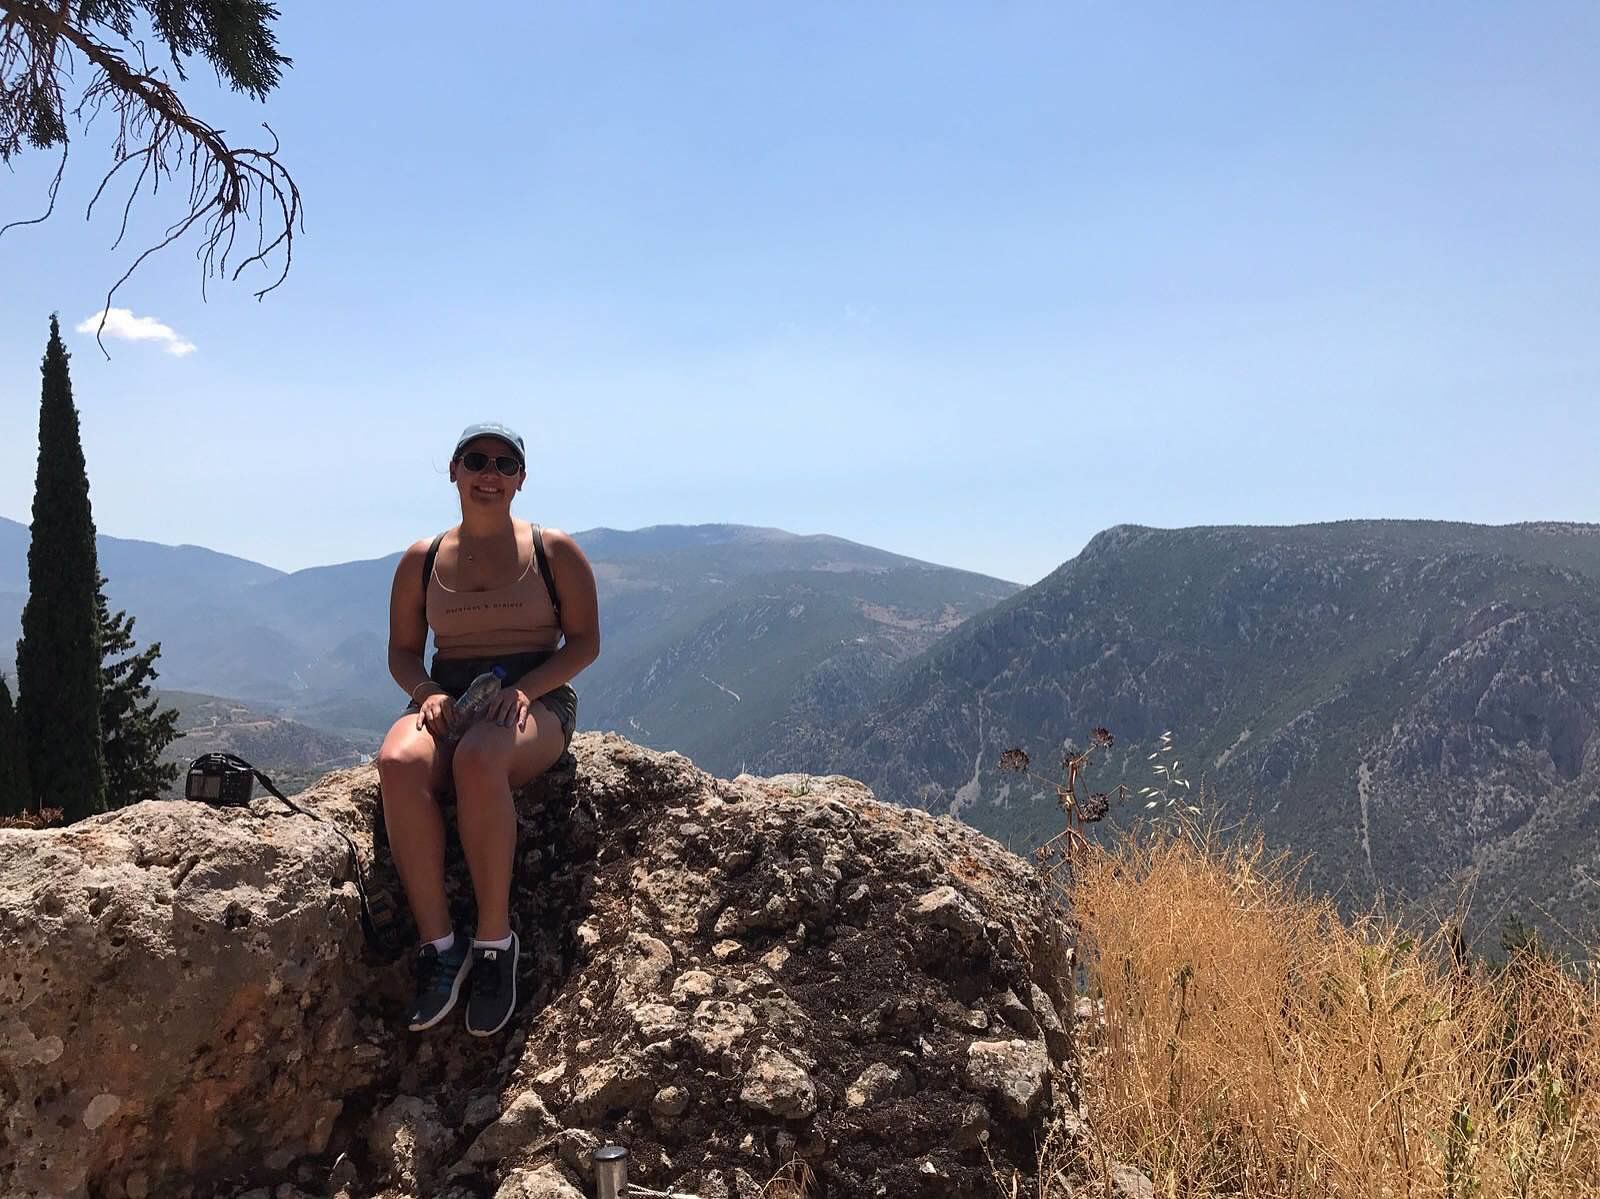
pixel 55 186
pixel 39 47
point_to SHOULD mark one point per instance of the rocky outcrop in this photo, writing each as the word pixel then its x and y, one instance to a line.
pixel 729 977
pixel 179 991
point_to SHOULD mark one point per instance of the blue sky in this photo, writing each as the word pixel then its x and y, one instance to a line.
pixel 967 282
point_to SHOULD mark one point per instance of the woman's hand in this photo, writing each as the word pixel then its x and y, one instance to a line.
pixel 509 709
pixel 435 713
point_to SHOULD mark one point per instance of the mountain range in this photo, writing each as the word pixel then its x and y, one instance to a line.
pixel 1412 706
pixel 718 639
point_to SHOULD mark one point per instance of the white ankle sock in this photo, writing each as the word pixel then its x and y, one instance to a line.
pixel 444 943
pixel 503 943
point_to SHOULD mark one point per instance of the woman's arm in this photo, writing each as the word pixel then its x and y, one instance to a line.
pixel 580 630
pixel 408 625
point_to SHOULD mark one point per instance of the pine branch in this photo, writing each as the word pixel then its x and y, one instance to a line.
pixel 156 136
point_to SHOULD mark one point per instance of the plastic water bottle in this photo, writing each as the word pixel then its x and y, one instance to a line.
pixel 475 701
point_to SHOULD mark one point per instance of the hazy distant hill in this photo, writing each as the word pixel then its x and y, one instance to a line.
pixel 288 752
pixel 1407 700
pixel 169 589
pixel 720 640
pixel 724 641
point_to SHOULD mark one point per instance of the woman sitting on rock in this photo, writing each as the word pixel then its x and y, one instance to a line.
pixel 495 592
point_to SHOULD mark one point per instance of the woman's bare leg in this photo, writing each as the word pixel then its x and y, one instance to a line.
pixel 412 767
pixel 489 763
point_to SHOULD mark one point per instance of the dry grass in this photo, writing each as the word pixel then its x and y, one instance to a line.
pixel 1253 1044
pixel 47 818
pixel 793 1181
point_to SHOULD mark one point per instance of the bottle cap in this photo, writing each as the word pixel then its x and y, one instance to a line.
pixel 500 673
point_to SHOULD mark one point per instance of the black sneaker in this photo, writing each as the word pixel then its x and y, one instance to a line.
pixel 494 988
pixel 439 979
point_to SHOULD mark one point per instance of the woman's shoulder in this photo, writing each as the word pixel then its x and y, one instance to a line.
pixel 415 553
pixel 558 543
pixel 409 584
pixel 549 534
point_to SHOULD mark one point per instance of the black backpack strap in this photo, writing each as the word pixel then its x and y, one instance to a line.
pixel 544 570
pixel 427 572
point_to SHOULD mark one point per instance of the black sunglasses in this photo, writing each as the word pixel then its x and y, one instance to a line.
pixel 476 460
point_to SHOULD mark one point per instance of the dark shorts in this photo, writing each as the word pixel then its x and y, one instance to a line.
pixel 455 675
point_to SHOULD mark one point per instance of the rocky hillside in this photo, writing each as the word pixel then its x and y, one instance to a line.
pixel 723 641
pixel 734 979
pixel 1414 704
pixel 292 754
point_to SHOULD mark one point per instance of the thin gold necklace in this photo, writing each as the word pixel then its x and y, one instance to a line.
pixel 461 542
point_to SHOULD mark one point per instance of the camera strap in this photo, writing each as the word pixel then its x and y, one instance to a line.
pixel 373 926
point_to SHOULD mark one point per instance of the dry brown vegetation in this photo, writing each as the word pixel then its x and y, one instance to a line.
pixel 45 818
pixel 1247 1041
pixel 793 1181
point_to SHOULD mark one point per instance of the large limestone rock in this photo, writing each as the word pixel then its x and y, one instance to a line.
pixel 724 976
pixel 180 990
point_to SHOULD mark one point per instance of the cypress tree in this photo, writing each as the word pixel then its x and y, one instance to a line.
pixel 134 726
pixel 15 794
pixel 58 658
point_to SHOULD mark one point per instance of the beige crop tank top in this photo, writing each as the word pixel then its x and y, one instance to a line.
pixel 517 618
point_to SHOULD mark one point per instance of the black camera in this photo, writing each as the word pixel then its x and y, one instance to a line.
pixel 220 779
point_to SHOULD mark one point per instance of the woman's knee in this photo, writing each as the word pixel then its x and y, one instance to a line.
pixel 404 760
pixel 481 759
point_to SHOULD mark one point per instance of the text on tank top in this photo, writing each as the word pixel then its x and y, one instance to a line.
pixel 516 618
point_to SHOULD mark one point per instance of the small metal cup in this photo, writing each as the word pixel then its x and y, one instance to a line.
pixel 610 1164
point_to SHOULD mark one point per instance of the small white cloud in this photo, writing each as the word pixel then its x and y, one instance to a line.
pixel 121 323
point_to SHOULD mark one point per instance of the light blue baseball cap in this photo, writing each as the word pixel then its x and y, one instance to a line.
pixel 496 430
